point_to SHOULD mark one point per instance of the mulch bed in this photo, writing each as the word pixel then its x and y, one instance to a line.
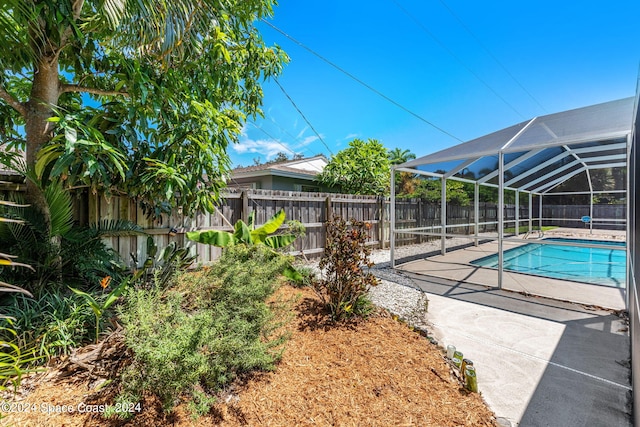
pixel 373 372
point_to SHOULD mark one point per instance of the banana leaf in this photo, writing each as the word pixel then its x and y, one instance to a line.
pixel 218 238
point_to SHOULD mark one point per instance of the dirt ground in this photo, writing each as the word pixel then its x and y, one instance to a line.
pixel 375 372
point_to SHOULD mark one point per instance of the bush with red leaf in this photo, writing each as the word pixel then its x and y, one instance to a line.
pixel 345 264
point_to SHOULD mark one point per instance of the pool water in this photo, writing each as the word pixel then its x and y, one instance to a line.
pixel 588 265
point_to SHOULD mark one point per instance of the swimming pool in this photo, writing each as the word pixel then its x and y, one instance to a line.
pixel 588 265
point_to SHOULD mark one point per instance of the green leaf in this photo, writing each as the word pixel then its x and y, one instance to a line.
pixel 280 241
pixel 252 220
pixel 152 248
pixel 45 156
pixel 114 294
pixel 292 274
pixel 60 208
pixel 71 135
pixel 241 233
pixel 258 236
pixel 274 223
pixel 218 238
pixel 97 308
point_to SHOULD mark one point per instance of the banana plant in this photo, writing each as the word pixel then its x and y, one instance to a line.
pixel 247 234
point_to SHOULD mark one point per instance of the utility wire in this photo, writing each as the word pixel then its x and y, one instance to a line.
pixel 293 137
pixel 272 138
pixel 450 52
pixel 278 142
pixel 377 92
pixel 492 55
pixel 303 116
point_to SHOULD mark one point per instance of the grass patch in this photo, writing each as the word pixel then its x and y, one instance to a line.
pixel 525 228
pixel 54 322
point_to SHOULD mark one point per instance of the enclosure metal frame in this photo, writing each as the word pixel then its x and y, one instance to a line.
pixel 541 186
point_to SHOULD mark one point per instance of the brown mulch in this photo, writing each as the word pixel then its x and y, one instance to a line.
pixel 374 372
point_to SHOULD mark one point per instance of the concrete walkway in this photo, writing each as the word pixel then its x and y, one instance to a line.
pixel 540 362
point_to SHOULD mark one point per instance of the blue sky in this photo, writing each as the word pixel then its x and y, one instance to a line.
pixel 467 67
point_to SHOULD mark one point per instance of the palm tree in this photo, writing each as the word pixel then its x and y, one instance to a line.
pixel 397 156
pixel 405 181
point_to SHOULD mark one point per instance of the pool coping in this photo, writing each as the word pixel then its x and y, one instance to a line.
pixel 455 265
pixel 608 282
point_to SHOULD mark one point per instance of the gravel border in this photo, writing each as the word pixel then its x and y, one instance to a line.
pixel 396 292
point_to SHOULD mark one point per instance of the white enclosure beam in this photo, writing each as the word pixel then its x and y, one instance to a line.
pixel 500 219
pixel 443 216
pixel 392 219
pixel 509 165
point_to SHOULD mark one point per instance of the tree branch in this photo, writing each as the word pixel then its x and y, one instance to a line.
pixel 95 91
pixel 77 9
pixel 9 99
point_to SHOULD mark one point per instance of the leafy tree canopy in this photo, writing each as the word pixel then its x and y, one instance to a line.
pixel 362 168
pixel 431 190
pixel 132 97
pixel 405 181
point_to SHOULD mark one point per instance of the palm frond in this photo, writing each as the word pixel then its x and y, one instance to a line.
pixel 7 287
pixel 117 228
pixel 16 16
pixel 60 208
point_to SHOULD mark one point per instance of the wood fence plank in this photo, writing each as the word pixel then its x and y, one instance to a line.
pixel 313 209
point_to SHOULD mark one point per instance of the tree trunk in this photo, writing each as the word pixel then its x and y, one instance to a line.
pixel 44 95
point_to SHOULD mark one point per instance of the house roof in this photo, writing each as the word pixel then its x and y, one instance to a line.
pixel 306 168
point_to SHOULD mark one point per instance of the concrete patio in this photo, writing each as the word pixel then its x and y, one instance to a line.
pixel 540 361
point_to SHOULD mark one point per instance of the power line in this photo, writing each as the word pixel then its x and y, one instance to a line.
pixel 293 137
pixel 303 116
pixel 272 138
pixel 450 52
pixel 491 55
pixel 278 142
pixel 377 92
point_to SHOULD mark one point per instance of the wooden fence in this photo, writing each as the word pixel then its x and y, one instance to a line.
pixel 312 210
pixel 604 216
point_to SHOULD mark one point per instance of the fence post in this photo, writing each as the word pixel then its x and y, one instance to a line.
pixel 419 218
pixel 328 209
pixel 244 213
pixel 381 223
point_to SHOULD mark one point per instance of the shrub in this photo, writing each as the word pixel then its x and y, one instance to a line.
pixel 198 335
pixel 53 321
pixel 344 285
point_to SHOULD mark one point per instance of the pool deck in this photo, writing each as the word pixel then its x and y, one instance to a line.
pixel 456 265
pixel 540 361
